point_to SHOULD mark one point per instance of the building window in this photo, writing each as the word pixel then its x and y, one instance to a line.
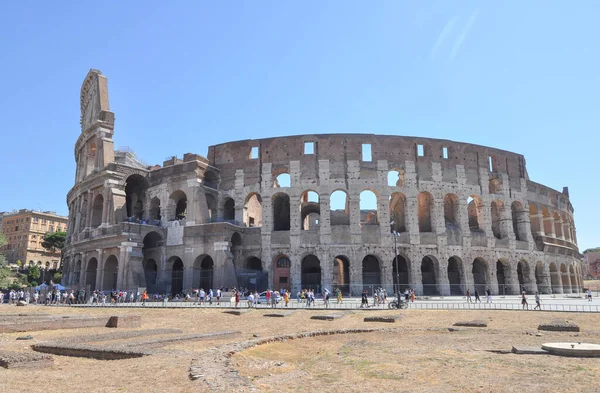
pixel 254 153
pixel 36 219
pixel 420 150
pixel 366 152
pixel 309 147
pixel 445 152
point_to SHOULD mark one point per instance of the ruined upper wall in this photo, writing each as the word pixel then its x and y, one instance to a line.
pixel 341 148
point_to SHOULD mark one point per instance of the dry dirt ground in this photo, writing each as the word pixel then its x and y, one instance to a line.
pixel 423 357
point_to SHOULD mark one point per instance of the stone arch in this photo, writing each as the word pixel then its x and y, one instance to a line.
pixel 398 212
pixel 455 276
pixel 401 272
pixel 566 285
pixel 111 271
pixel 424 202
pixel 548 227
pixel 566 232
pixel 574 283
pixel 476 214
pixel 368 208
pixel 395 178
pixel 430 268
pixel 203 272
pixel 534 219
pixel 178 202
pixel 151 275
pixel 496 212
pixel 504 277
pixel 341 273
pixel 480 273
pixel 524 276
pixel 211 179
pixel 97 209
pixel 155 209
pixel 558 232
pixel 236 249
pixel 371 272
pixel 281 271
pixel 253 263
pixel 519 221
pixel 253 210
pixel 135 195
pixel 310 210
pixel 555 279
pixel 540 278
pixel 175 266
pixel 282 180
pixel 211 206
pixel 339 208
pixel 451 211
pixel 281 212
pixel 229 209
pixel 91 272
pixel 311 273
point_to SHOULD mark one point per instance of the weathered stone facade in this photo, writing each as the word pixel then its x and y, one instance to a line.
pixel 287 212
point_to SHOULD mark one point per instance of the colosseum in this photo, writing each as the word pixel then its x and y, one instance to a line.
pixel 348 211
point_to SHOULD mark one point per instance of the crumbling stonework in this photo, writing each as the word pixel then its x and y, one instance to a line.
pixel 314 211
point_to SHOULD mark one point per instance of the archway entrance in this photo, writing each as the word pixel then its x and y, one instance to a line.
pixel 341 274
pixel 151 274
pixel 565 279
pixel 311 273
pixel 371 273
pixel 503 277
pixel 111 269
pixel 455 272
pixel 176 276
pixel 428 276
pixel 480 275
pixel 523 274
pixel 555 279
pixel 400 272
pixel 281 272
pixel 90 273
pixel 203 272
pixel 540 278
pixel 251 275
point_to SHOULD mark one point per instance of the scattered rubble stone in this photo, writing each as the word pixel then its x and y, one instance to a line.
pixel 24 360
pixel 475 323
pixel 559 326
pixel 125 321
pixel 329 317
pixel 387 318
pixel 528 350
pixel 28 337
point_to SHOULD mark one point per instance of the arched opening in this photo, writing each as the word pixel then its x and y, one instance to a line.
pixel 310 210
pixel 282 180
pixel 135 195
pixel 111 270
pixel 424 201
pixel 254 263
pixel 555 280
pixel 480 275
pixel 534 219
pixel 176 275
pixel 546 218
pixel 558 232
pixel 311 273
pixel 229 210
pixel 251 276
pixel 281 212
pixel 428 276
pixel 178 201
pixel 566 285
pixel 540 278
pixel 151 275
pixel 371 273
pixel 253 210
pixel 455 274
pixel 281 272
pixel 90 273
pixel 155 209
pixel 97 211
pixel 523 275
pixel 565 222
pixel 497 229
pixel 451 211
pixel 203 272
pixel 211 180
pixel 368 208
pixel 236 249
pixel 519 221
pixel 211 205
pixel 401 274
pixel 152 240
pixel 398 212
pixel 475 211
pixel 339 208
pixel 341 274
pixel 395 178
pixel 574 288
pixel 503 277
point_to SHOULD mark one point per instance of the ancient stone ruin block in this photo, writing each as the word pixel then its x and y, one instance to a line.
pixel 387 318
pixel 559 326
pixel 24 360
pixel 125 321
pixel 475 323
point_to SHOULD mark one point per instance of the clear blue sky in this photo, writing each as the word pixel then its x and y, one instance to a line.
pixel 520 76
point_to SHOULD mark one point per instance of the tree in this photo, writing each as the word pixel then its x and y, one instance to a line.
pixel 19 263
pixel 54 241
pixel 592 250
pixel 5 272
pixel 33 274
pixel 57 277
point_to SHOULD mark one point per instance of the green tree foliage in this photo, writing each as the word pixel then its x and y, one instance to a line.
pixel 57 277
pixel 5 273
pixel 33 274
pixel 54 241
pixel 592 250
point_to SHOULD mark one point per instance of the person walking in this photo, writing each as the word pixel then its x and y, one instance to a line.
pixel 524 301
pixel 489 295
pixel 339 296
pixel 477 299
pixel 144 298
pixel 286 298
pixel 364 299
pixel 237 298
pixel 469 300
pixel 589 295
pixel 537 301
